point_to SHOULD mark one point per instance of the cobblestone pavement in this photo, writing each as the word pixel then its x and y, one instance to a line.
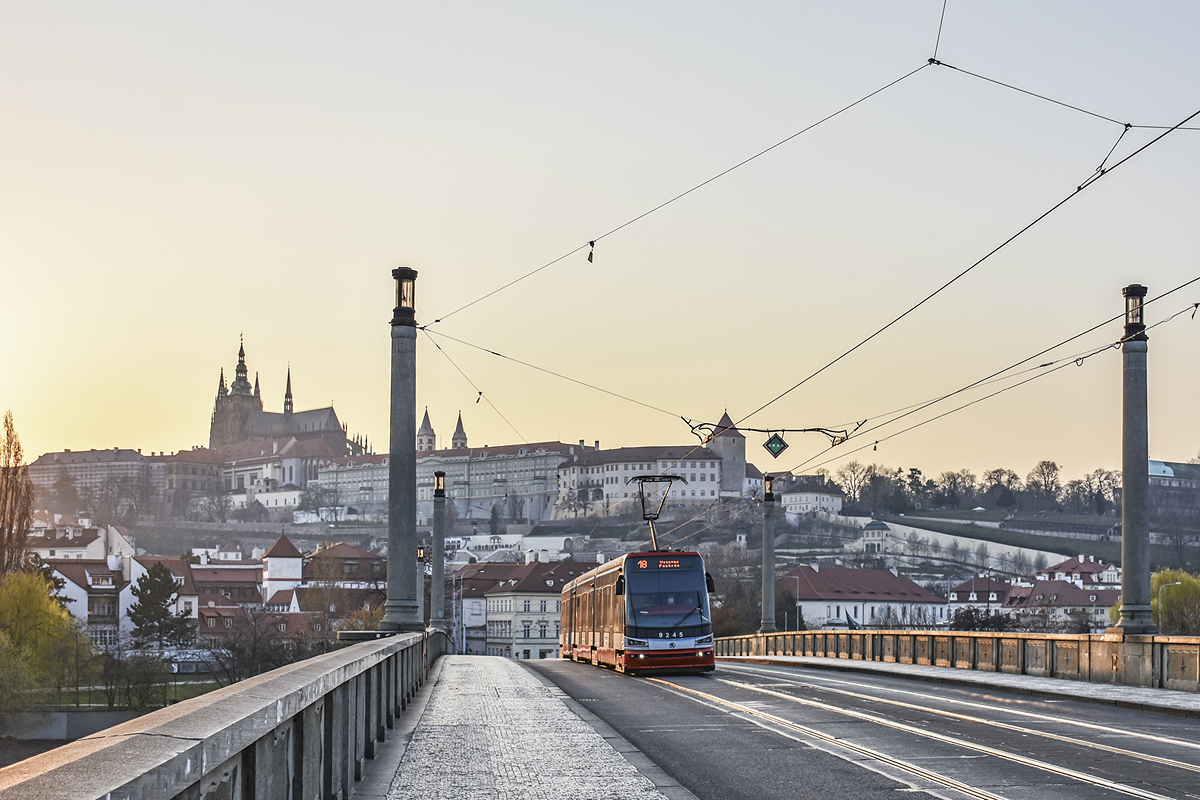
pixel 502 735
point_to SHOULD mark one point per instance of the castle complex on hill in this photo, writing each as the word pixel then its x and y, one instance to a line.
pixel 238 417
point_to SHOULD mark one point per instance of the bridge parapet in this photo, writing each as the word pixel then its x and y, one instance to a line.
pixel 1170 662
pixel 300 731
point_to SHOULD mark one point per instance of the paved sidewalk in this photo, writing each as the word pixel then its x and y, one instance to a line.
pixel 1165 701
pixel 489 729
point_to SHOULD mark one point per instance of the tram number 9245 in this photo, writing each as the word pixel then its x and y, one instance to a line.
pixel 641 612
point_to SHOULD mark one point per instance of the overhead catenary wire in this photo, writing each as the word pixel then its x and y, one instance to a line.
pixel 546 371
pixel 941 21
pixel 591 243
pixel 1045 369
pixel 997 375
pixel 1025 228
pixel 481 395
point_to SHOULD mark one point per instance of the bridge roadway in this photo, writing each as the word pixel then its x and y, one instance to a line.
pixel 783 727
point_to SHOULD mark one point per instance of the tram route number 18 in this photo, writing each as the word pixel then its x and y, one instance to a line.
pixel 670 634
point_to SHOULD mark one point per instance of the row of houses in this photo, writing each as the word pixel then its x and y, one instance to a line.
pixel 1079 591
pixel 329 583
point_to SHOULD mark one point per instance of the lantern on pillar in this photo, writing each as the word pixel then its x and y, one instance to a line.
pixel 406 285
pixel 1135 324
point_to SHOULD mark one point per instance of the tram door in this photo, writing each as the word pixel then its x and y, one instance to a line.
pixel 569 629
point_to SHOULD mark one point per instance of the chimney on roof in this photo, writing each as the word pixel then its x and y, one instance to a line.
pixel 815 566
pixel 894 572
pixel 597 444
pixel 580 445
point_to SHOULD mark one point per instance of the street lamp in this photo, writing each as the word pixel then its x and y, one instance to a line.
pixel 402 609
pixel 1160 608
pixel 1135 326
pixel 437 590
pixel 406 286
pixel 1136 599
pixel 767 624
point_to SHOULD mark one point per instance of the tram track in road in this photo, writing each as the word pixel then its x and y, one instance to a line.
pixel 907 766
pixel 821 685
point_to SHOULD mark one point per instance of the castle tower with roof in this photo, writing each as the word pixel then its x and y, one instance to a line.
pixel 459 440
pixel 730 445
pixel 426 439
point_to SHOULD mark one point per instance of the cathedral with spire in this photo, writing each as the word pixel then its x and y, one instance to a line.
pixel 238 417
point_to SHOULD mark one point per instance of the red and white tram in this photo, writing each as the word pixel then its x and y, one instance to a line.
pixel 641 612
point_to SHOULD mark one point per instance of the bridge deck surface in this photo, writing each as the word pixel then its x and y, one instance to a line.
pixel 485 728
pixel 1165 701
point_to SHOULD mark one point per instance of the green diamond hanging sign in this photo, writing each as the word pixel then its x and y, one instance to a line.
pixel 775 445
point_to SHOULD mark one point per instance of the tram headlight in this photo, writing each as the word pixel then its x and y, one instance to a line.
pixel 636 642
pixel 705 639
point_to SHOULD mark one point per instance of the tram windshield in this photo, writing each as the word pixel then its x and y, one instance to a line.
pixel 666 597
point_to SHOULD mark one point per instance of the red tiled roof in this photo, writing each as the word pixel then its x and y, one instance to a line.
pixel 840 583
pixel 358 461
pixel 1065 593
pixel 507 450
pixel 283 548
pixel 540 577
pixel 623 455
pixel 225 574
pixel 200 455
pixel 281 598
pixel 77 570
pixel 179 567
pixel 342 550
pixel 1072 565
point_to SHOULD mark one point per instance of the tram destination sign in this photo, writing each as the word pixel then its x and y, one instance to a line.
pixel 658 563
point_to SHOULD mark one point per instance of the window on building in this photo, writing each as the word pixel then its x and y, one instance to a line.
pixel 228 622
pixel 525 631
pixel 526 605
pixel 542 631
pixel 542 606
pixel 281 627
pixel 212 623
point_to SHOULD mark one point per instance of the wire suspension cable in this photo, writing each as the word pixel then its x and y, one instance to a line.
pixel 985 257
pixel 1049 367
pixel 937 42
pixel 548 372
pixel 481 395
pixel 590 244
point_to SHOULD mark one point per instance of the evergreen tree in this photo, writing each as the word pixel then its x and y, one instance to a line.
pixel 153 618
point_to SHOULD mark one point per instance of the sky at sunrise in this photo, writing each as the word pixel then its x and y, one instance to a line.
pixel 176 175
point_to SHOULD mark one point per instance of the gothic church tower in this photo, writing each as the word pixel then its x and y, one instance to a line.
pixel 426 440
pixel 232 410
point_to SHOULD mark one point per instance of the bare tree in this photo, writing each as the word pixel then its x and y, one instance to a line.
pixel 852 476
pixel 1044 483
pixel 216 504
pixel 16 501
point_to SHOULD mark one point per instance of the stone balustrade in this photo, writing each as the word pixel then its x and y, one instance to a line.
pixel 302 731
pixel 1171 662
